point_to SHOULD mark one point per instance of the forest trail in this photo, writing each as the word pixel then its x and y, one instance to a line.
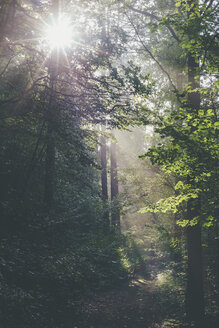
pixel 132 306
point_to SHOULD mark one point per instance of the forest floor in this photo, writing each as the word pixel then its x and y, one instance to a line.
pixel 132 306
pixel 139 303
pixel 144 302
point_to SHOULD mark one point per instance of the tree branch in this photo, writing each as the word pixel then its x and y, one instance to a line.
pixel 152 56
pixel 6 66
pixel 155 17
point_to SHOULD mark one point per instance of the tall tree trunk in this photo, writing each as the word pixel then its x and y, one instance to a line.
pixel 49 167
pixel 50 141
pixel 7 18
pixel 114 188
pixel 194 291
pixel 103 154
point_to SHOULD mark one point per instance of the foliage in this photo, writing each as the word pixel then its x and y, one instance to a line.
pixel 190 146
pixel 51 259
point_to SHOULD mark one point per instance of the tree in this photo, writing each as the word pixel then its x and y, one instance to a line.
pixel 191 24
pixel 115 215
pixel 47 155
pixel 104 184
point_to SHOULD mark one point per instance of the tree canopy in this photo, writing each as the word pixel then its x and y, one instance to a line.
pixel 87 90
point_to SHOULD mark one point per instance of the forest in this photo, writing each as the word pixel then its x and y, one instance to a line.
pixel 109 159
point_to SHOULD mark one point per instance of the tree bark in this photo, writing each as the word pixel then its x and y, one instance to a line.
pixel 194 290
pixel 7 18
pixel 49 167
pixel 103 154
pixel 114 189
pixel 50 141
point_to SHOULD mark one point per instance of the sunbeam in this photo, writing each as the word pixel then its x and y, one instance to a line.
pixel 59 33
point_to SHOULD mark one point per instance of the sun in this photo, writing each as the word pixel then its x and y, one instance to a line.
pixel 59 33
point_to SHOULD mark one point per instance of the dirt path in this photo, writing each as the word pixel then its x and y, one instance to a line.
pixel 133 306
